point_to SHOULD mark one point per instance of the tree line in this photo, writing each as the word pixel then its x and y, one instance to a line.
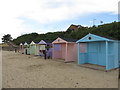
pixel 108 30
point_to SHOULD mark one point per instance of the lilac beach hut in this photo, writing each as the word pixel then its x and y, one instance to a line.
pixel 42 44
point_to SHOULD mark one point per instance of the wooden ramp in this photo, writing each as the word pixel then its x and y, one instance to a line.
pixel 93 66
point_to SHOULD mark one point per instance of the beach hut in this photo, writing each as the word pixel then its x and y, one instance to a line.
pixel 94 49
pixel 21 48
pixel 37 49
pixel 65 49
pixel 42 47
pixel 32 48
pixel 45 46
pixel 26 49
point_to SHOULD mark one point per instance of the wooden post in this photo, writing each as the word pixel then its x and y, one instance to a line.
pixel 66 59
pixel 106 55
pixel 78 53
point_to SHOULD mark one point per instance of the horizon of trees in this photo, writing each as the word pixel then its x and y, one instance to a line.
pixel 107 30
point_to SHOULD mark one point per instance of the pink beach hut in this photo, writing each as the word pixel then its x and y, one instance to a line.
pixel 65 49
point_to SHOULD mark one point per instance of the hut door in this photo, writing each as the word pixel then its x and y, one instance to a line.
pixel 26 51
pixel 63 51
pixel 57 51
pixel 93 53
pixel 33 49
pixel 96 53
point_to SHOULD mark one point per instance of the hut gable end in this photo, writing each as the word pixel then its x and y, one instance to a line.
pixel 91 37
pixel 42 42
pixel 59 40
pixel 32 43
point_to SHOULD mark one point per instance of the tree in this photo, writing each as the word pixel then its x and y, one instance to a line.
pixel 107 30
pixel 6 38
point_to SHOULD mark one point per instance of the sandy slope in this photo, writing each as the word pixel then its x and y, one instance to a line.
pixel 25 71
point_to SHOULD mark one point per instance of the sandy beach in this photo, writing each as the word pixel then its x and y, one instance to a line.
pixel 28 71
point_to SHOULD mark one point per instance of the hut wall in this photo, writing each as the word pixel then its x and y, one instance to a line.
pixel 32 49
pixel 96 53
pixel 56 51
pixel 119 54
pixel 112 55
pixel 71 52
pixel 63 51
pixel 21 49
pixel 93 53
pixel 75 52
pixel 82 53
pixel 25 51
pixel 28 51
pixel 37 50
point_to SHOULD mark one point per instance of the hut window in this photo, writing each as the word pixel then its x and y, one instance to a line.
pixel 82 47
pixel 58 40
pixel 89 38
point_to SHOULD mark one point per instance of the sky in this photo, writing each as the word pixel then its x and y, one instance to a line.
pixel 18 17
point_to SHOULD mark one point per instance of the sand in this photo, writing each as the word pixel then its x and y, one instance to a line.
pixel 28 71
pixel 0 69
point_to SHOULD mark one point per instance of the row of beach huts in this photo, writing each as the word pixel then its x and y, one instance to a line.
pixel 92 49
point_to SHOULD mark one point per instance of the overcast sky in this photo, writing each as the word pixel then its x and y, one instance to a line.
pixel 18 17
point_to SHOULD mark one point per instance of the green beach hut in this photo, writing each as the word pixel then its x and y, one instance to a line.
pixel 26 49
pixel 32 48
pixel 37 49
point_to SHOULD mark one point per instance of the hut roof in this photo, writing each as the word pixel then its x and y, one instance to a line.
pixel 108 37
pixel 32 43
pixel 48 41
pixel 64 40
pixel 69 39
pixel 92 37
pixel 25 43
pixel 21 44
pixel 42 42
pixel 11 44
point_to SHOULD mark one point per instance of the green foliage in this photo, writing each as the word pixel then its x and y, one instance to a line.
pixel 26 38
pixel 6 38
pixel 107 30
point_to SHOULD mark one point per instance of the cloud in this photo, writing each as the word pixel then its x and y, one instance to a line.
pixel 47 11
pixel 58 10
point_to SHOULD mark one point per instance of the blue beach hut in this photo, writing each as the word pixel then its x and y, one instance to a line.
pixel 94 49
